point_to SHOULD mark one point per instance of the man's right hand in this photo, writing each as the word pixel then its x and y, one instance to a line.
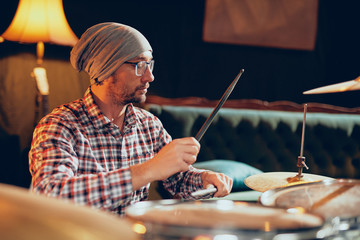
pixel 175 157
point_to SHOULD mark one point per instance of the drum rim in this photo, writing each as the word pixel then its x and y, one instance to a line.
pixel 129 213
pixel 192 231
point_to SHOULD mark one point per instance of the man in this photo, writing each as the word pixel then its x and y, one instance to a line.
pixel 102 151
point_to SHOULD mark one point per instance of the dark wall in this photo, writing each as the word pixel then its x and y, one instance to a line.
pixel 187 66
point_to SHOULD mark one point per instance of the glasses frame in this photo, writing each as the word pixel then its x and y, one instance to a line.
pixel 138 69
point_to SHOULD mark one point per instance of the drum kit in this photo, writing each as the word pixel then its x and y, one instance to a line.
pixel 291 206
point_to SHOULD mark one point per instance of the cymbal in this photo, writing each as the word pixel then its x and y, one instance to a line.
pixel 24 215
pixel 270 180
pixel 338 87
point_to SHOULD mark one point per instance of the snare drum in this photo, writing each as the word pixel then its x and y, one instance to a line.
pixel 222 219
pixel 337 201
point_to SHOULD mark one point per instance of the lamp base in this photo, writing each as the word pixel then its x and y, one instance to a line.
pixel 42 93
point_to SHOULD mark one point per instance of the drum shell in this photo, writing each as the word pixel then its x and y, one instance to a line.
pixel 218 224
pixel 337 201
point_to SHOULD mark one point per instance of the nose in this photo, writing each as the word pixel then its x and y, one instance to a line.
pixel 148 75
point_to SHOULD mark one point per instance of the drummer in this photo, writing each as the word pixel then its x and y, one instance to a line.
pixel 102 151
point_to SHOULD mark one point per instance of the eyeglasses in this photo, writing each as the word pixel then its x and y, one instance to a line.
pixel 140 67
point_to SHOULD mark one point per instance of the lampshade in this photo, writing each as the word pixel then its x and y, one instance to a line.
pixel 40 21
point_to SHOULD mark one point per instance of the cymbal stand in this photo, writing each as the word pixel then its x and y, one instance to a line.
pixel 301 159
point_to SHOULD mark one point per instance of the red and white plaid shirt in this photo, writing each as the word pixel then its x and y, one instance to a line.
pixel 77 153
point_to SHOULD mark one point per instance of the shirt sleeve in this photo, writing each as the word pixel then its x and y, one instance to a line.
pixel 54 165
pixel 182 184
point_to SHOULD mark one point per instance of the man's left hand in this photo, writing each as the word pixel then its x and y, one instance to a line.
pixel 222 182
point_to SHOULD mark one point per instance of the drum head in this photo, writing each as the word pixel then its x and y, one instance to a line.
pixel 328 198
pixel 25 216
pixel 195 218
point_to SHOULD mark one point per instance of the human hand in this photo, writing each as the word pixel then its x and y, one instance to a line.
pixel 175 157
pixel 222 182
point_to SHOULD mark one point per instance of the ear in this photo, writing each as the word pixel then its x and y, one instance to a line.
pixel 106 81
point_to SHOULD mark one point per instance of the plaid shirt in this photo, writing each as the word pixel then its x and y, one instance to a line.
pixel 77 153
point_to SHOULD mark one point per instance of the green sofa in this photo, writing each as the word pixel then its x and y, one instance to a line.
pixel 251 136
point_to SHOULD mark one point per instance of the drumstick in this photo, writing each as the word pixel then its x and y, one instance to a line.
pixel 210 189
pixel 331 196
pixel 205 126
pixel 209 120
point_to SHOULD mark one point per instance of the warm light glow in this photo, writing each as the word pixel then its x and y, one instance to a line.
pixel 40 21
pixel 139 228
pixel 267 226
pixel 202 237
pixel 296 210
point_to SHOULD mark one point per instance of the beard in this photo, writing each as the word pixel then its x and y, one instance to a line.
pixel 125 96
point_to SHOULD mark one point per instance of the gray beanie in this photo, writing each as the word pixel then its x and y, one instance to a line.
pixel 104 47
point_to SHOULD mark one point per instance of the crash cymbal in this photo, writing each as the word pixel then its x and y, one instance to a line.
pixel 24 215
pixel 338 87
pixel 270 180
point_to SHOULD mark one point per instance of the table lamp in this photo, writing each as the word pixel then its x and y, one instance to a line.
pixel 40 21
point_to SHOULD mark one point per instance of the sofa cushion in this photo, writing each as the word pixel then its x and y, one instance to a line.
pixel 270 140
pixel 238 171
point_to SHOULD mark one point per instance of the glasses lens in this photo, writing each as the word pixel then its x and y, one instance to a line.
pixel 141 67
pixel 151 65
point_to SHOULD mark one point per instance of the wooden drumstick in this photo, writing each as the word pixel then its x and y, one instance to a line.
pixel 205 126
pixel 210 189
pixel 209 120
pixel 331 196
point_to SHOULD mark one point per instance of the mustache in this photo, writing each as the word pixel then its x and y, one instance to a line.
pixel 146 85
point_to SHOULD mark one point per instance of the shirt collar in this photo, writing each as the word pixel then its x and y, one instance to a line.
pixel 99 119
